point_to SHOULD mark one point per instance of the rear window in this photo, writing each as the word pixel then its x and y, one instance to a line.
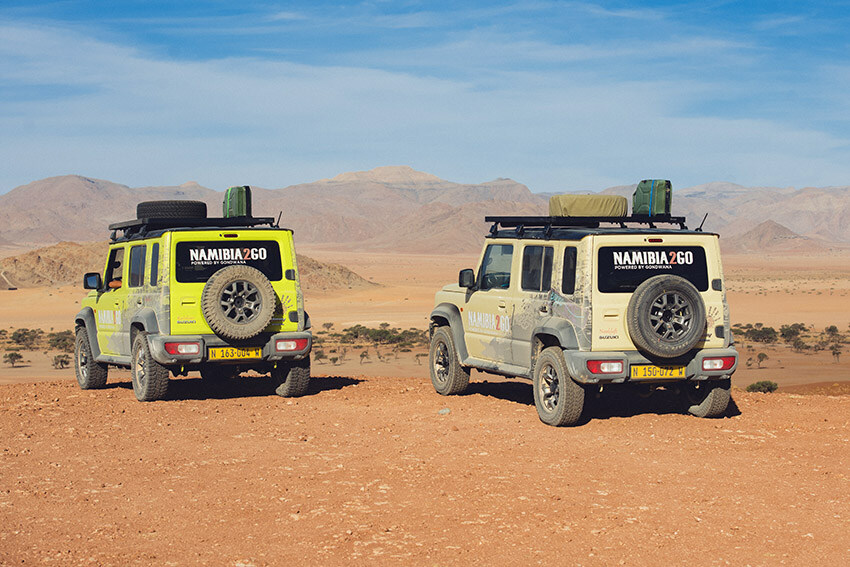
pixel 197 261
pixel 623 268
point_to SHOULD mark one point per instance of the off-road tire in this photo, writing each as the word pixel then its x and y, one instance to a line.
pixel 238 302
pixel 215 374
pixel 294 378
pixel 707 398
pixel 559 399
pixel 666 316
pixel 90 373
pixel 447 375
pixel 171 209
pixel 150 378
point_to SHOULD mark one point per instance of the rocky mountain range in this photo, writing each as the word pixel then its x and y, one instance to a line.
pixel 65 263
pixel 399 209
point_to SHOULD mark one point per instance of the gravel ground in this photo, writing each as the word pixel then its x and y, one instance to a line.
pixel 369 470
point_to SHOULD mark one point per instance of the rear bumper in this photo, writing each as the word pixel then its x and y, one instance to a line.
pixel 577 365
pixel 266 343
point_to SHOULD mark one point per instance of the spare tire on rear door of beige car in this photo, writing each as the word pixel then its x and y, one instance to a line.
pixel 666 316
pixel 238 302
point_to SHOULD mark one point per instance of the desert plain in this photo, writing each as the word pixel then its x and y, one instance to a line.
pixel 373 467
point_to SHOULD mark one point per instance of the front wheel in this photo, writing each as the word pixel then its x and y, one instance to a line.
pixel 150 378
pixel 559 399
pixel 294 378
pixel 90 373
pixel 447 374
pixel 707 399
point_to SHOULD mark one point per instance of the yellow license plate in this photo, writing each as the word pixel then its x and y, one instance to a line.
pixel 230 353
pixel 649 372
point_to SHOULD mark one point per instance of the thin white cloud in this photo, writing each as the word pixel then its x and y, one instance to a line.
pixel 640 14
pixel 287 16
pixel 779 22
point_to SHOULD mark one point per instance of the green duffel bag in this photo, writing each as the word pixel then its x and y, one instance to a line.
pixel 652 197
pixel 237 202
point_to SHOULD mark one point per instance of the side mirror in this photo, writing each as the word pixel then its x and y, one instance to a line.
pixel 92 281
pixel 466 278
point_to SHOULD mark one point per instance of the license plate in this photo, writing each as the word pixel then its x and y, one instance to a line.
pixel 646 371
pixel 230 353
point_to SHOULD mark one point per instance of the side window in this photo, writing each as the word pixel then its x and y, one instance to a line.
pixel 114 268
pixel 496 267
pixel 537 268
pixel 568 281
pixel 137 266
pixel 155 264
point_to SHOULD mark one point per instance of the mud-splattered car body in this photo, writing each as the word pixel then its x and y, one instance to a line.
pixel 571 288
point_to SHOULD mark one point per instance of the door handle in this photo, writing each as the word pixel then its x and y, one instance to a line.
pixel 502 305
pixel 544 309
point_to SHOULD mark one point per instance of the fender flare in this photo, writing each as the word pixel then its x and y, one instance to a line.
pixel 85 319
pixel 146 318
pixel 450 314
pixel 562 330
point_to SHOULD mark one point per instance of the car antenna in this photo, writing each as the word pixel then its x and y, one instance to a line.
pixel 699 228
pixel 277 224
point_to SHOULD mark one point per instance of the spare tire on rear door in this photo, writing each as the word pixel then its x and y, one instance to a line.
pixel 238 302
pixel 171 209
pixel 666 316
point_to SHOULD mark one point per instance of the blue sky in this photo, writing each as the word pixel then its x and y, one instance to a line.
pixel 557 95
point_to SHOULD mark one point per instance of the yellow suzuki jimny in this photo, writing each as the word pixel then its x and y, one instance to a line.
pixel 180 292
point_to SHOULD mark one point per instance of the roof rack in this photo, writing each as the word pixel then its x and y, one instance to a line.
pixel 140 227
pixel 548 223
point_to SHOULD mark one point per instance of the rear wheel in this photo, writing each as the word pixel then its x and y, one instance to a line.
pixel 706 398
pixel 293 377
pixel 90 373
pixel 150 378
pixel 447 374
pixel 559 399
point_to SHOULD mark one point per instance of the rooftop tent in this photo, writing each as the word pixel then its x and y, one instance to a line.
pixel 588 206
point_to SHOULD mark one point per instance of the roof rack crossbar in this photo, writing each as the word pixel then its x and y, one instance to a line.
pixel 548 223
pixel 140 227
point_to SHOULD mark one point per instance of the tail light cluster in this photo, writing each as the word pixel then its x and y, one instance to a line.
pixel 718 363
pixel 183 348
pixel 605 366
pixel 289 345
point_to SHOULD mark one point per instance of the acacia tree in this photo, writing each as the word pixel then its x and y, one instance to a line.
pixel 836 352
pixel 12 357
pixel 761 357
pixel 60 361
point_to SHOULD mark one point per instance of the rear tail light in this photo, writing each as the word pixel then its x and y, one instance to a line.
pixel 288 345
pixel 183 348
pixel 718 363
pixel 605 366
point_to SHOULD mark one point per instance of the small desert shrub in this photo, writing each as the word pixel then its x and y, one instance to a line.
pixel 764 386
